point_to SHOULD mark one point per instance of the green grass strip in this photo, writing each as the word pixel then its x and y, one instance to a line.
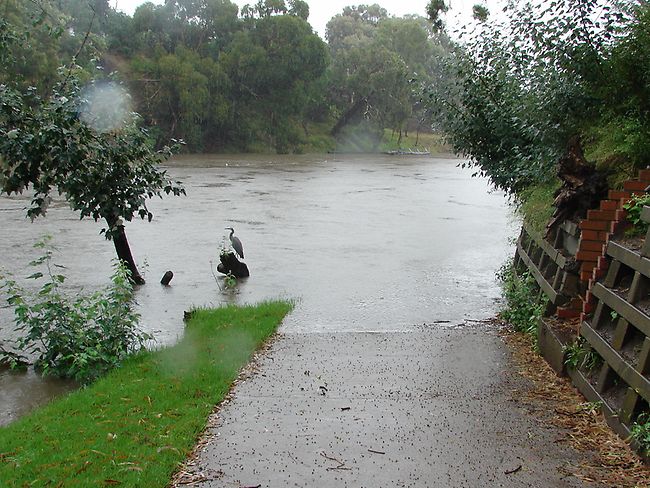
pixel 536 204
pixel 134 426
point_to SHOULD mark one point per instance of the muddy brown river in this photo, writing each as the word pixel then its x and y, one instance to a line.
pixel 363 243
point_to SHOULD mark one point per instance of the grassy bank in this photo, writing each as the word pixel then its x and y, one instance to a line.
pixel 424 140
pixel 536 204
pixel 134 426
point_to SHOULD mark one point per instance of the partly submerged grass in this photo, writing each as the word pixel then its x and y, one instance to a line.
pixel 134 426
pixel 425 140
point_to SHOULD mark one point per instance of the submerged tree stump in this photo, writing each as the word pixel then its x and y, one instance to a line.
pixel 167 277
pixel 230 264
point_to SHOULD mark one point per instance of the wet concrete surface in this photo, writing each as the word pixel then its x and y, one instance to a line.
pixel 363 243
pixel 430 408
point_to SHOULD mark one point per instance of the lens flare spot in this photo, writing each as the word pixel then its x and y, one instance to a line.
pixel 106 107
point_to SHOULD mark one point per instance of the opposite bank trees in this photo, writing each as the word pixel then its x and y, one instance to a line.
pixel 45 145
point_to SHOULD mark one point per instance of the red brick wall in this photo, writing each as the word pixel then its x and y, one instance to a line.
pixel 596 230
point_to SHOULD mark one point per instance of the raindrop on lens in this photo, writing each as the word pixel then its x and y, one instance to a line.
pixel 105 106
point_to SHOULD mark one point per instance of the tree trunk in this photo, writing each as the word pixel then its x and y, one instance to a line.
pixel 124 251
pixel 350 113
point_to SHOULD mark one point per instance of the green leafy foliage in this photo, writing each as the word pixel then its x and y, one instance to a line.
pixel 535 204
pixel 375 58
pixel 218 81
pixel 79 337
pixel 12 360
pixel 230 281
pixel 580 356
pixel 524 306
pixel 634 208
pixel 640 432
pixel 44 144
pixel 515 93
pixel 480 12
pixel 619 134
pixel 436 8
pixel 36 36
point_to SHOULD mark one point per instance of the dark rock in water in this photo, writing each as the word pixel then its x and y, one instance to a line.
pixel 230 264
pixel 167 277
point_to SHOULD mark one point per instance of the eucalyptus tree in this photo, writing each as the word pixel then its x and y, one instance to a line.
pixel 205 26
pixel 272 68
pixel 52 37
pixel 355 24
pixel 213 79
pixel 374 59
pixel 435 10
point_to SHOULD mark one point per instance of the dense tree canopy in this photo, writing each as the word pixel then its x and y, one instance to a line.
pixel 221 79
pixel 215 80
pixel 374 58
pixel 515 94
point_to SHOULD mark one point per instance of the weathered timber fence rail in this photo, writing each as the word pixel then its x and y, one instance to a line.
pixel 555 272
pixel 619 331
pixel 599 290
pixel 548 266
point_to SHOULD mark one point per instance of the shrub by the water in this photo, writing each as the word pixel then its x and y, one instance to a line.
pixel 524 307
pixel 79 337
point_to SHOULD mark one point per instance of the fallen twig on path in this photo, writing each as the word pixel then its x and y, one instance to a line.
pixel 513 471
pixel 341 465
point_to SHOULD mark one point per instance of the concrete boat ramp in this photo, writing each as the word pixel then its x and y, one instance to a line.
pixel 429 408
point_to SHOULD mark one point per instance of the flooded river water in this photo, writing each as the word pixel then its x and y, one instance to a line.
pixel 363 243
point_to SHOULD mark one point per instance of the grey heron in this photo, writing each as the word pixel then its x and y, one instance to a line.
pixel 236 243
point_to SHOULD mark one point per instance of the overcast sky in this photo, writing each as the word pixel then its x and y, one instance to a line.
pixel 320 11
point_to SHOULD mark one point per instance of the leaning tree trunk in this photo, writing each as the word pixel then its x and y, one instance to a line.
pixel 124 251
pixel 349 114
